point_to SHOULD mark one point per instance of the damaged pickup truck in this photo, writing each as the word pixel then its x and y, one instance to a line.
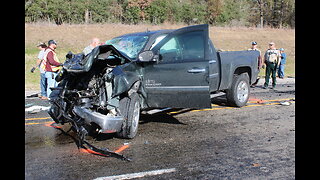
pixel 105 91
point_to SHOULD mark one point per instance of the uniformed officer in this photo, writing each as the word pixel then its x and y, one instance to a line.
pixel 272 60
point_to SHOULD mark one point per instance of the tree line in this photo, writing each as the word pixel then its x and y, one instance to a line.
pixel 253 13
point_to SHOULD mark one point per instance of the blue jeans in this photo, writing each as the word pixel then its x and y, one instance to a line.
pixel 281 71
pixel 50 76
pixel 43 84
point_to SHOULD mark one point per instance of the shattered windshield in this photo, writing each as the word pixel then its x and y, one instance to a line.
pixel 130 45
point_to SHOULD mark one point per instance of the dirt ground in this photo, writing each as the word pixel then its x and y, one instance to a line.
pixel 253 142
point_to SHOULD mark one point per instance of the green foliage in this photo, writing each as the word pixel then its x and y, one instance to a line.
pixel 157 11
pixel 132 15
pixel 233 10
pixel 214 9
pixel 275 13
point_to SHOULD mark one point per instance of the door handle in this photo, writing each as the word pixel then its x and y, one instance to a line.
pixel 196 70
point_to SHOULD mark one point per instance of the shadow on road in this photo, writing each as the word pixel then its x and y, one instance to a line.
pixel 160 118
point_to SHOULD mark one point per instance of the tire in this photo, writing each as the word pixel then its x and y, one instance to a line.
pixel 130 110
pixel 238 94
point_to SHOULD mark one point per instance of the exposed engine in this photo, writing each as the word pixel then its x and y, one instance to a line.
pixel 95 96
pixel 84 94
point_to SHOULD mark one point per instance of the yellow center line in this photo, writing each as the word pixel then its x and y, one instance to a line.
pixel 30 119
pixel 271 100
pixel 38 123
pixel 196 110
pixel 251 105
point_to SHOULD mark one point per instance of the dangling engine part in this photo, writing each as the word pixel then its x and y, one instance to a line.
pixel 96 96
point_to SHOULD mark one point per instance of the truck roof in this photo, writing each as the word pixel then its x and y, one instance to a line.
pixel 149 33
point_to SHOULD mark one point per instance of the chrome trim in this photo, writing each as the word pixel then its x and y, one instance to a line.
pixel 179 87
pixel 196 70
pixel 212 61
pixel 213 75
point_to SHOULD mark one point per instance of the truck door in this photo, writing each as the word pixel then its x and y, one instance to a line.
pixel 214 68
pixel 180 78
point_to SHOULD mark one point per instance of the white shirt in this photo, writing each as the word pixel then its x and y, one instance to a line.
pixel 40 56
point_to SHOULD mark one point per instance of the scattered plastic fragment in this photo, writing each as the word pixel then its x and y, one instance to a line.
pixel 256 165
pixel 285 103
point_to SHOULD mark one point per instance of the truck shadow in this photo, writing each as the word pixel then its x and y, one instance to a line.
pixel 221 100
pixel 144 119
pixel 163 117
pixel 159 118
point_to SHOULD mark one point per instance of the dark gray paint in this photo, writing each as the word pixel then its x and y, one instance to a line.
pixel 184 83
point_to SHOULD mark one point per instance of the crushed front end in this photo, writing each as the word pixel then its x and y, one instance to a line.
pixel 84 95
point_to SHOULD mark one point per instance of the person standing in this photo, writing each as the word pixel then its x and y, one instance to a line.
pixel 43 81
pixel 282 63
pixel 52 65
pixel 94 43
pixel 272 61
pixel 254 48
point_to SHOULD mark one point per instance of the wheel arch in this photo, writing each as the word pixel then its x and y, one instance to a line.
pixel 243 69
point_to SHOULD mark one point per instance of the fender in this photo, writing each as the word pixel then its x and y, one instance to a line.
pixel 123 80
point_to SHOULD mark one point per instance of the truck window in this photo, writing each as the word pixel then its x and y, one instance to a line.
pixel 158 39
pixel 188 46
pixel 170 51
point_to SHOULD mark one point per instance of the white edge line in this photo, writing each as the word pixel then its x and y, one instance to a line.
pixel 138 175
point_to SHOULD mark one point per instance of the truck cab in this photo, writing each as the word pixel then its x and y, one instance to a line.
pixel 186 69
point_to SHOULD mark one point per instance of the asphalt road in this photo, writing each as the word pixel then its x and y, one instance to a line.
pixel 253 142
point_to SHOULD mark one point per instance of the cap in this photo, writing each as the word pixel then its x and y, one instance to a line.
pixel 52 42
pixel 271 43
pixel 281 49
pixel 254 43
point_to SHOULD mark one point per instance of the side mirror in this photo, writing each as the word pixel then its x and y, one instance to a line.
pixel 148 56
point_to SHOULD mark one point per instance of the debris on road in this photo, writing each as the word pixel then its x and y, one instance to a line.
pixel 33 95
pixel 258 101
pixel 36 109
pixel 256 165
pixel 28 105
pixel 285 103
pixel 81 142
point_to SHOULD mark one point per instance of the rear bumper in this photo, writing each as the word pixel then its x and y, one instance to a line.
pixel 108 123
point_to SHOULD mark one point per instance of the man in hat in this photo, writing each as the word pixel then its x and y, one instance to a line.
pixel 52 65
pixel 272 60
pixel 254 48
pixel 282 63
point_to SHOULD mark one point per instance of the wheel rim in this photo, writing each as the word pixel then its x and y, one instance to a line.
pixel 136 115
pixel 242 91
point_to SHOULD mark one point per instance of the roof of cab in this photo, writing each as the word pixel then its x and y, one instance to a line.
pixel 149 33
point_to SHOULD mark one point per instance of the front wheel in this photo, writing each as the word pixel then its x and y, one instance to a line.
pixel 238 94
pixel 130 110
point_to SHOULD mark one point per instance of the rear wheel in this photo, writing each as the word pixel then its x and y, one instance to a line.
pixel 238 94
pixel 130 110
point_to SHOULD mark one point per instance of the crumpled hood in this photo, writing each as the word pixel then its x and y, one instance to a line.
pixel 80 63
